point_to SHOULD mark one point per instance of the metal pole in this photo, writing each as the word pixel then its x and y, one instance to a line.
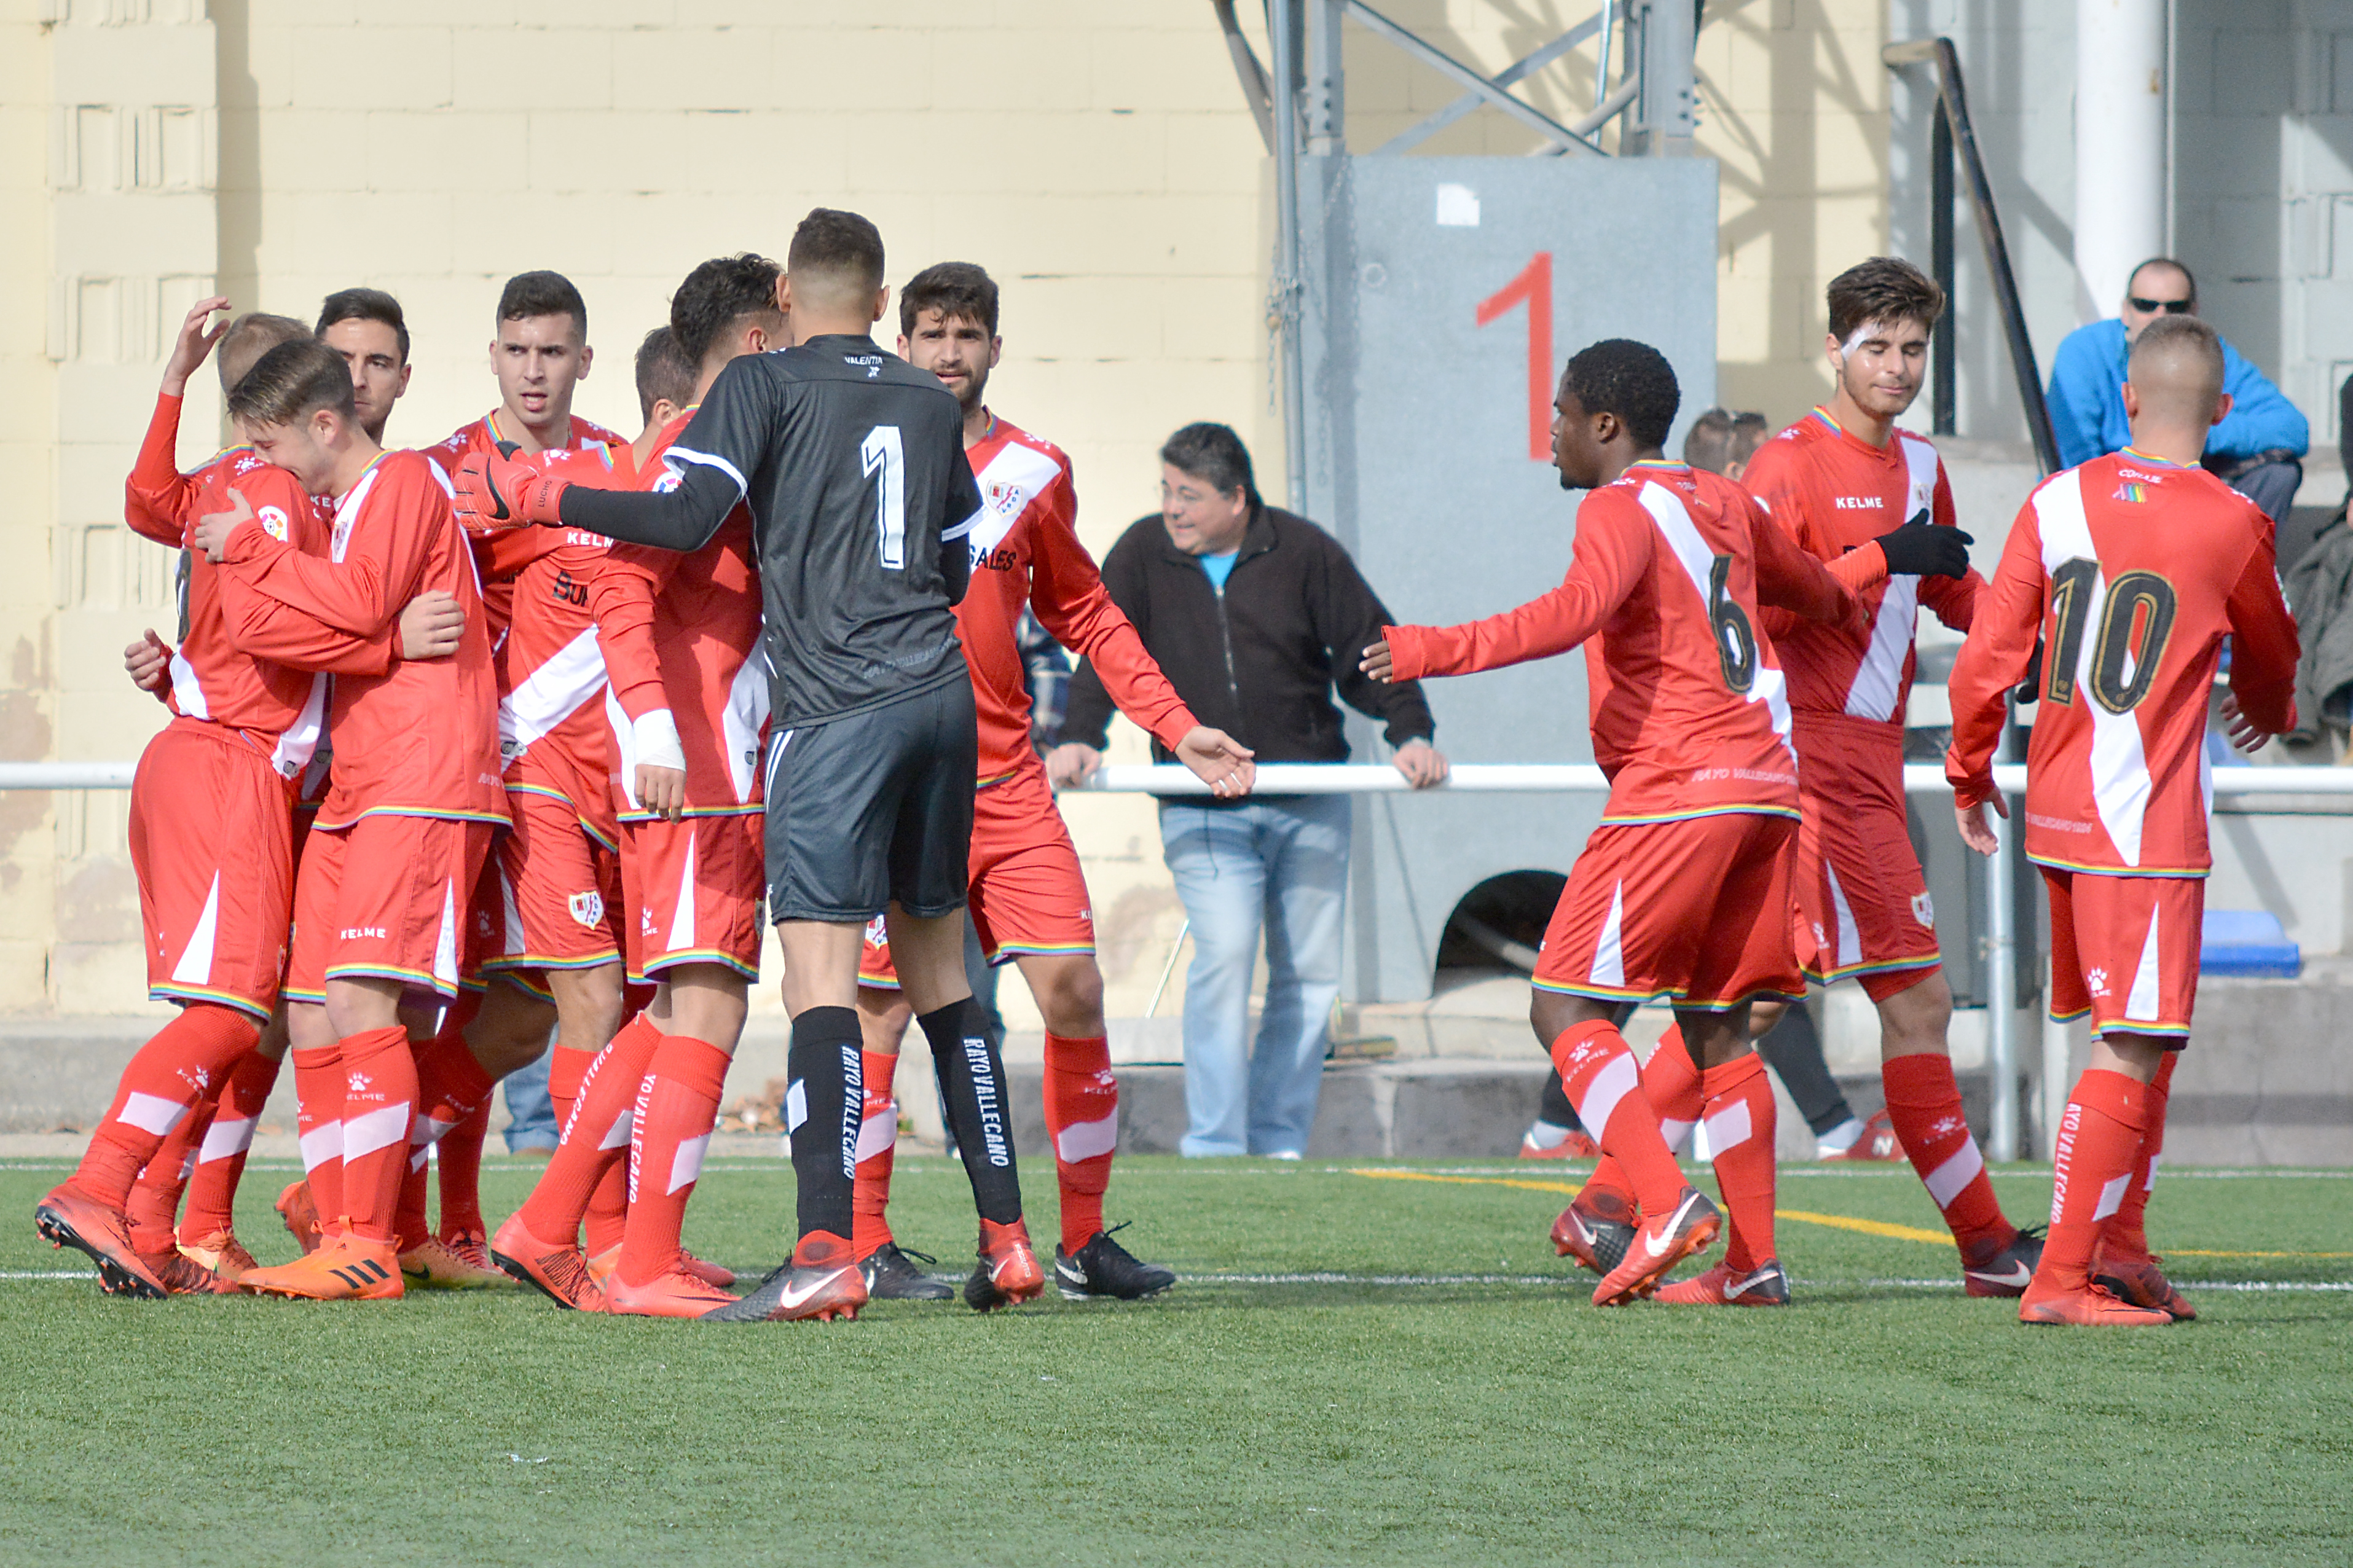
pixel 1601 54
pixel 1282 23
pixel 2001 981
pixel 1940 263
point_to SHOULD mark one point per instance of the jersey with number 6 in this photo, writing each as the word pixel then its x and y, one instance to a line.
pixel 1670 563
pixel 2132 570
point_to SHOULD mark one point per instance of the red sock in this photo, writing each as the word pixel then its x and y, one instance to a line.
pixel 1924 1104
pixel 453 1095
pixel 1083 1118
pixel 596 1140
pixel 878 1140
pixel 1739 1122
pixel 458 1159
pixel 565 1069
pixel 220 1159
pixel 319 1123
pixel 2098 1151
pixel 379 1098
pixel 1599 1074
pixel 1671 1083
pixel 2127 1234
pixel 184 1061
pixel 154 1207
pixel 677 1104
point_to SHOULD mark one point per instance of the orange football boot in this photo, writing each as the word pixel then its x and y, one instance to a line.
pixel 300 1214
pixel 1659 1244
pixel 1767 1286
pixel 2090 1308
pixel 2139 1280
pixel 674 1293
pixel 556 1271
pixel 221 1252
pixel 66 1219
pixel 184 1276
pixel 433 1265
pixel 1008 1273
pixel 345 1269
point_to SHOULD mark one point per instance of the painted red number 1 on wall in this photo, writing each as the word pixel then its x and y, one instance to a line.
pixel 1532 288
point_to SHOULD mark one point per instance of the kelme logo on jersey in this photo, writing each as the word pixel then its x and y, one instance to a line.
pixel 1861 503
pixel 588 908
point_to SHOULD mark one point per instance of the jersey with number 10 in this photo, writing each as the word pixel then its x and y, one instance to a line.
pixel 853 463
pixel 2132 570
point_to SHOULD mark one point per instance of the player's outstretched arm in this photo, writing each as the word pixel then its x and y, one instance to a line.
pixel 2002 642
pixel 1792 579
pixel 1218 760
pixel 156 496
pixel 1613 549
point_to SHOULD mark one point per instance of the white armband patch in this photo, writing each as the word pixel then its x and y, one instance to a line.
pixel 654 737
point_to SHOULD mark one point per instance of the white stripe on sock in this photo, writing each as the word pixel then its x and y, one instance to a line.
pixel 878 1134
pixel 151 1113
pixel 1676 1133
pixel 617 1135
pixel 1727 1130
pixel 1947 1181
pixel 1085 1140
pixel 321 1144
pixel 1607 1088
pixel 686 1164
pixel 378 1129
pixel 225 1138
pixel 2112 1198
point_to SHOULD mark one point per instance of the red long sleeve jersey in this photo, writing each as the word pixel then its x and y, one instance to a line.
pixel 1668 568
pixel 1026 550
pixel 2132 570
pixel 248 661
pixel 421 741
pixel 1833 493
pixel 500 558
pixel 679 631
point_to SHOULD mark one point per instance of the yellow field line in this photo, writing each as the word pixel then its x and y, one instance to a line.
pixel 1803 1216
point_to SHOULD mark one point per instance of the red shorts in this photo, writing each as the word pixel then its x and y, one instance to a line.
pixel 552 900
pixel 381 899
pixel 1028 894
pixel 1696 909
pixel 213 843
pixel 2124 949
pixel 1863 907
pixel 696 887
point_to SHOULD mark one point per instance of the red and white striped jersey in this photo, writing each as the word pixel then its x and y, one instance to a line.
pixel 552 736
pixel 1669 566
pixel 2132 570
pixel 248 662
pixel 499 557
pixel 421 739
pixel 1026 550
pixel 1833 493
pixel 679 631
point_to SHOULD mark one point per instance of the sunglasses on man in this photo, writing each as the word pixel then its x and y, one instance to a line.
pixel 2151 307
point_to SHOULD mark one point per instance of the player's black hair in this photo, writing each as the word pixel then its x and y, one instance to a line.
pixel 529 294
pixel 2186 276
pixel 365 305
pixel 292 380
pixel 663 372
pixel 959 290
pixel 716 296
pixel 1885 289
pixel 1212 452
pixel 1708 443
pixel 1631 380
pixel 250 337
pixel 840 246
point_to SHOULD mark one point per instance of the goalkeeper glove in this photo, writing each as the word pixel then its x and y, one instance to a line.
pixel 1921 548
pixel 496 493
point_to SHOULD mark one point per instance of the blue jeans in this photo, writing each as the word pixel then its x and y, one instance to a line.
pixel 1282 864
pixel 534 1126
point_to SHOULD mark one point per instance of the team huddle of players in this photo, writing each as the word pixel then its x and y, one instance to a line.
pixel 509 736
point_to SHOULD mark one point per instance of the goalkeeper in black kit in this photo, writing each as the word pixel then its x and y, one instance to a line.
pixel 854 464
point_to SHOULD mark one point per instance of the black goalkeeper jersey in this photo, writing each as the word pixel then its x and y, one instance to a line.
pixel 853 463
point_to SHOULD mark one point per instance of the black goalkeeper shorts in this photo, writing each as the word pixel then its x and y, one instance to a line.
pixel 873 810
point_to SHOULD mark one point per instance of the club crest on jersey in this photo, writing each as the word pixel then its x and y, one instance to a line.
pixel 588 908
pixel 877 931
pixel 1923 909
pixel 273 522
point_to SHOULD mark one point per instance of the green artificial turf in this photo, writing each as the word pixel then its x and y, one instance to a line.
pixel 1357 1369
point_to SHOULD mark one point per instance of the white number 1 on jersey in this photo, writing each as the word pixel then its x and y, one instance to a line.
pixel 882 456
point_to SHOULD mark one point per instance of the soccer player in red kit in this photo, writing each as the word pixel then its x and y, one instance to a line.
pixel 1029 903
pixel 1849 486
pixel 2131 570
pixel 1684 888
pixel 688 703
pixel 406 824
pixel 211 825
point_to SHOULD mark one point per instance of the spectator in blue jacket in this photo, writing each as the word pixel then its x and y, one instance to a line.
pixel 2258 447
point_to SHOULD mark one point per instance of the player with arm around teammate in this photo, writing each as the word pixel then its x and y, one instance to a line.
pixel 1684 888
pixel 2132 570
